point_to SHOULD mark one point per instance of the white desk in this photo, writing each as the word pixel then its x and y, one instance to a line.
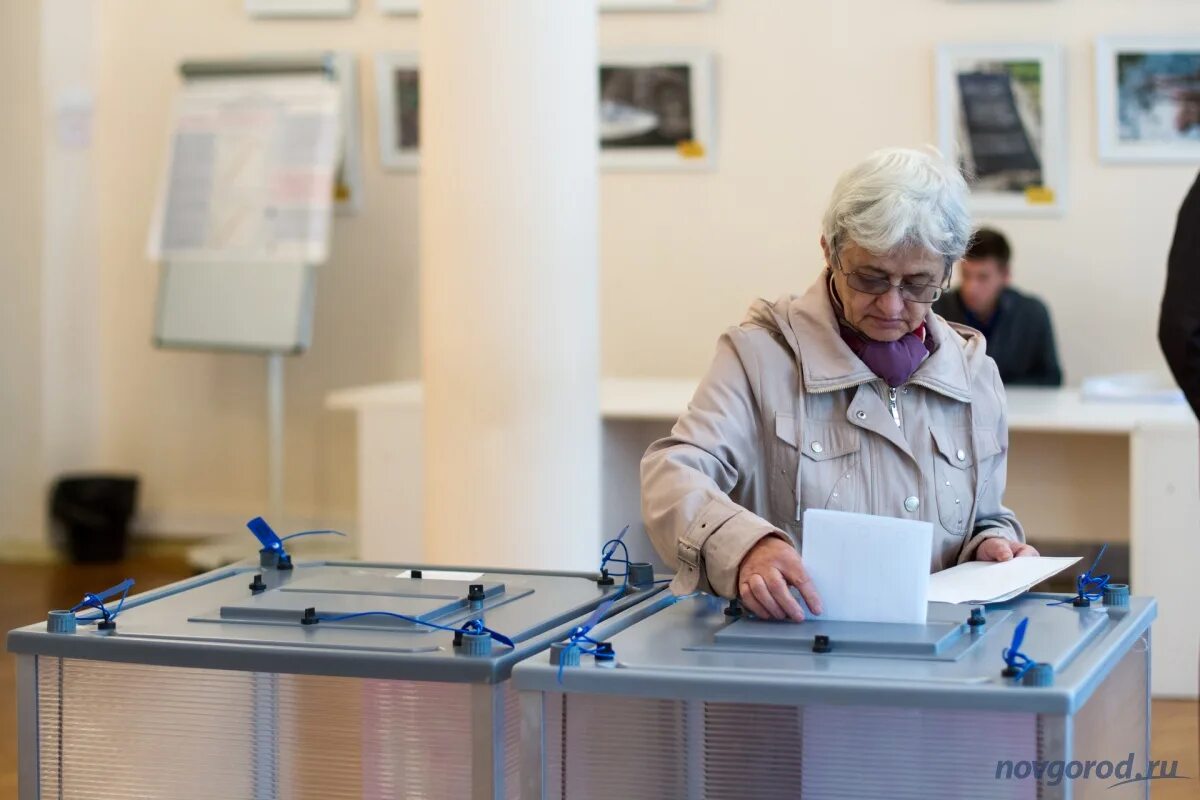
pixel 1077 471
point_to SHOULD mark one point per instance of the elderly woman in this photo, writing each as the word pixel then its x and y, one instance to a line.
pixel 853 396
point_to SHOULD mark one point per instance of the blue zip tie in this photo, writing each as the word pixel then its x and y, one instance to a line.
pixel 474 626
pixel 266 536
pixel 580 634
pixel 607 554
pixel 609 549
pixel 1014 659
pixel 326 531
pixel 96 601
pixel 271 541
pixel 562 663
pixel 1088 585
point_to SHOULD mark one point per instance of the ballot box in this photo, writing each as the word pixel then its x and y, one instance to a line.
pixel 691 698
pixel 318 680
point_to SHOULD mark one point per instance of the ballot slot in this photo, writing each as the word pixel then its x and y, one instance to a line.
pixel 442 602
pixel 388 586
pixel 288 608
pixel 1057 637
pixel 945 636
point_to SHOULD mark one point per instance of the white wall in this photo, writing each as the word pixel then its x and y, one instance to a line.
pixel 49 331
pixel 72 400
pixel 193 424
pixel 20 274
pixel 805 87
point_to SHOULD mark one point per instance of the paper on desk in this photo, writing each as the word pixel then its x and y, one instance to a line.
pixel 993 581
pixel 867 568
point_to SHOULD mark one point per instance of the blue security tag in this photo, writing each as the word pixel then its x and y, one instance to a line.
pixel 265 535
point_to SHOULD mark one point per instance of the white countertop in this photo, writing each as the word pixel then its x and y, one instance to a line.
pixel 1065 411
pixel 1029 409
pixel 399 393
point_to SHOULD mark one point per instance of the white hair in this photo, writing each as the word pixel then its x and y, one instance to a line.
pixel 898 199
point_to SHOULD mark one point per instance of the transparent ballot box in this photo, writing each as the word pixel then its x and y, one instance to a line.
pixel 319 680
pixel 691 698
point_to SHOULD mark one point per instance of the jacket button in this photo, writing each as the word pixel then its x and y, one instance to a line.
pixel 860 414
pixel 911 504
pixel 816 447
pixel 962 456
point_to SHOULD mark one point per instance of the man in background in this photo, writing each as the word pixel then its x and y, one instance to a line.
pixel 1017 326
pixel 1179 320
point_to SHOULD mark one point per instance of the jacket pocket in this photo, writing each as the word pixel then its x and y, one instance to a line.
pixel 954 472
pixel 783 449
pixel 987 446
pixel 830 474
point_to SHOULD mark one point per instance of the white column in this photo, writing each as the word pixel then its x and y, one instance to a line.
pixel 509 330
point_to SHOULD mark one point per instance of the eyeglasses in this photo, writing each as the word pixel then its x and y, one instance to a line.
pixel 913 292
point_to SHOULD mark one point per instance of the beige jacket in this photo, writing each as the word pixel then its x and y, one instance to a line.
pixel 788 418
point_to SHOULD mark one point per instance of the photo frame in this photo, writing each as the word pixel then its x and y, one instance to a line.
pixel 410 7
pixel 1148 99
pixel 1001 115
pixel 397 86
pixel 659 112
pixel 656 5
pixel 400 7
pixel 657 109
pixel 301 8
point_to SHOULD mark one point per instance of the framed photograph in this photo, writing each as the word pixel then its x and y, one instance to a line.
pixel 398 87
pixel 1002 118
pixel 301 8
pixel 1148 99
pixel 656 109
pixel 414 6
pixel 399 6
pixel 655 5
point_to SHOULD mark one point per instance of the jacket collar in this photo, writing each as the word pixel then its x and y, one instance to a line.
pixel 828 364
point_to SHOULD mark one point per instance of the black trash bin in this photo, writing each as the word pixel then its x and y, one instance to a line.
pixel 93 513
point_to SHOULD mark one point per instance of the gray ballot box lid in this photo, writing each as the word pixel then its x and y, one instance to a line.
pixel 220 621
pixel 690 648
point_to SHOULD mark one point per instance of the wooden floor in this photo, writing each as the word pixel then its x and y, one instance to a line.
pixel 26 592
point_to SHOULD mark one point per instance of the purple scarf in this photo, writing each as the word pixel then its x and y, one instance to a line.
pixel 896 361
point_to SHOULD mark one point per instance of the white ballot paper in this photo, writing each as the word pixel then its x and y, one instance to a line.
pixel 442 575
pixel 250 172
pixel 993 581
pixel 867 568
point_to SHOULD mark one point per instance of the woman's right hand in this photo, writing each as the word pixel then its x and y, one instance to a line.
pixel 764 576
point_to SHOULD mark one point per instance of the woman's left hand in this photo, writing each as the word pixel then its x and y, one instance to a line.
pixel 998 549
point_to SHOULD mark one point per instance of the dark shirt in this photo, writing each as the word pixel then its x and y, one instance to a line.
pixel 983 327
pixel 1020 338
pixel 1179 318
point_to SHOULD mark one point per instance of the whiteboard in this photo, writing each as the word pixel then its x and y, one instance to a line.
pixel 301 8
pixel 252 308
pixel 250 171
